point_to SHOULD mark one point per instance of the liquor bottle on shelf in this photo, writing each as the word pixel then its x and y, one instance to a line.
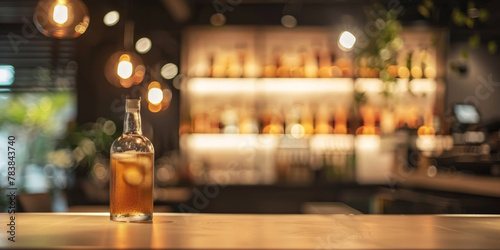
pixel 415 69
pixel 336 71
pixel 201 123
pixel 284 67
pixel 271 67
pixel 323 124
pixel 247 122
pixel 429 71
pixel 214 120
pixel 345 66
pixel 307 121
pixel 325 63
pixel 229 120
pixel 392 70
pixel 132 166
pixel 272 123
pixel 296 62
pixel 403 65
pixel 235 66
pixel 310 66
pixel 211 62
pixel 219 68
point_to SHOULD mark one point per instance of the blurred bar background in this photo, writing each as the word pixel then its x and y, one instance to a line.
pixel 383 107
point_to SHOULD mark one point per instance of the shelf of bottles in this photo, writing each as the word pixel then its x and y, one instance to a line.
pixel 274 105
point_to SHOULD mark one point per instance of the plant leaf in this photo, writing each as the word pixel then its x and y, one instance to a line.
pixel 423 11
pixel 470 5
pixel 469 22
pixel 464 53
pixel 483 15
pixel 492 47
pixel 429 4
pixel 474 41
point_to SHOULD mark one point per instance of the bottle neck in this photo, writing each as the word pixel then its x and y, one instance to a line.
pixel 132 123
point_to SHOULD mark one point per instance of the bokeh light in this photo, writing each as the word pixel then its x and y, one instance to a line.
pixel 155 96
pixel 218 19
pixel 169 71
pixel 167 95
pixel 61 19
pixel 143 45
pixel 125 67
pixel 60 14
pixel 154 84
pixel 109 127
pixel 111 18
pixel 155 107
pixel 289 21
pixel 6 75
pixel 346 41
pixel 297 131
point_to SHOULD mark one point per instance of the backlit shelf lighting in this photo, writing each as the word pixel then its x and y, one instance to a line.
pixel 422 86
pixel 218 86
pixel 228 142
pixel 335 143
pixel 310 86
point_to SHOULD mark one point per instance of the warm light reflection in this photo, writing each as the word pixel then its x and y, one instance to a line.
pixel 60 14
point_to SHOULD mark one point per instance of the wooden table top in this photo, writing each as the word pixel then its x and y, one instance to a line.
pixel 228 231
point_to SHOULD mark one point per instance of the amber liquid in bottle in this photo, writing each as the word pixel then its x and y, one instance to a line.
pixel 132 164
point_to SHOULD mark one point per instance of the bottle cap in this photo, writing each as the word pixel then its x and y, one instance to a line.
pixel 133 105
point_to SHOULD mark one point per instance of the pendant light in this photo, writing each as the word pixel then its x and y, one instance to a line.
pixel 158 98
pixel 61 18
pixel 125 67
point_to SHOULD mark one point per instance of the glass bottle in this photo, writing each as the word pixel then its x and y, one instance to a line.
pixel 132 159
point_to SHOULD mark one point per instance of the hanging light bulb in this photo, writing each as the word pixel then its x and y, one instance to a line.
pixel 158 98
pixel 60 14
pixel 155 95
pixel 61 18
pixel 124 69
